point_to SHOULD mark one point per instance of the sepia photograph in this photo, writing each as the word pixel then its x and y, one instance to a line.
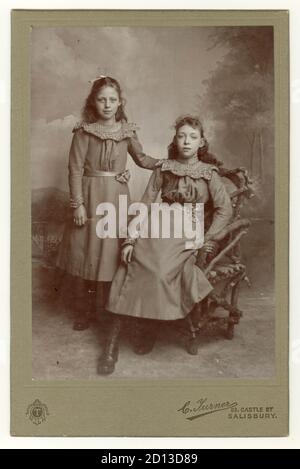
pixel 152 202
pixel 149 236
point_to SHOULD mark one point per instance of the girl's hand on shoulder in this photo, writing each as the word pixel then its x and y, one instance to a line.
pixel 80 216
pixel 126 254
pixel 159 163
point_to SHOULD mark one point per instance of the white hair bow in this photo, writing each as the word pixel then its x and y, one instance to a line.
pixel 97 78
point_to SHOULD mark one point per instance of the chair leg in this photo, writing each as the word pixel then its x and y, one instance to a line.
pixel 230 331
pixel 233 301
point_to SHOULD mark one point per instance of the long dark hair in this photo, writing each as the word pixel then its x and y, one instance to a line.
pixel 203 153
pixel 89 112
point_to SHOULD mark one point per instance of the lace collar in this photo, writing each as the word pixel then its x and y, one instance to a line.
pixel 108 133
pixel 196 170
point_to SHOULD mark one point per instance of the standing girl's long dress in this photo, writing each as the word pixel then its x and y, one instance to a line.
pixel 98 155
pixel 162 281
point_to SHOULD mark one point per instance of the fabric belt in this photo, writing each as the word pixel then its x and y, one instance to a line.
pixel 96 173
pixel 120 177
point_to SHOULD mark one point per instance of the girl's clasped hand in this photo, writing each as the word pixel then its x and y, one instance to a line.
pixel 80 216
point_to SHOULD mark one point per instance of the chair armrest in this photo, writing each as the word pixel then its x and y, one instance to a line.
pixel 238 227
pixel 243 223
pixel 224 251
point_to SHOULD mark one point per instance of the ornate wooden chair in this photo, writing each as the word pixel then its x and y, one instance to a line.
pixel 226 269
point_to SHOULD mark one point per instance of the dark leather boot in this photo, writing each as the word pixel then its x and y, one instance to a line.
pixel 109 357
pixel 191 344
pixel 84 296
pixel 81 322
pixel 144 336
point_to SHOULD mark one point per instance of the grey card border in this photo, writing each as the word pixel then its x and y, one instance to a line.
pixel 117 407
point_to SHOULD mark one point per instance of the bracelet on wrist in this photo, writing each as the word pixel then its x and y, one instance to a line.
pixel 75 203
pixel 129 242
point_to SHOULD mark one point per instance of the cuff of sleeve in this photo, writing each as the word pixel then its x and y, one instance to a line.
pixel 76 202
pixel 129 242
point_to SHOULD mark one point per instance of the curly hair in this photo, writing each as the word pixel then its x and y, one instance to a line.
pixel 203 153
pixel 89 112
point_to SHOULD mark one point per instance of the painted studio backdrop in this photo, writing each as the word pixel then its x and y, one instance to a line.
pixel 225 75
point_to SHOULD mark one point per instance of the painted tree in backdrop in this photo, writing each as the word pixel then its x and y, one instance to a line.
pixel 239 92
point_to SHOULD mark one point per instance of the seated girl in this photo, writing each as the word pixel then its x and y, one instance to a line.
pixel 158 279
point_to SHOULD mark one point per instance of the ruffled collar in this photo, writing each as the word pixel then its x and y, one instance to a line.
pixel 108 132
pixel 195 170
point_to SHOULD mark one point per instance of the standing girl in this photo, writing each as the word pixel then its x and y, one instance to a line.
pixel 159 280
pixel 97 173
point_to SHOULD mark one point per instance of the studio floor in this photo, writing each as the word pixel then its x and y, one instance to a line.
pixel 59 352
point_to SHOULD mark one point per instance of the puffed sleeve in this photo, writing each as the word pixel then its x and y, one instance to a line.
pixel 221 205
pixel 150 195
pixel 77 156
pixel 153 187
pixel 135 150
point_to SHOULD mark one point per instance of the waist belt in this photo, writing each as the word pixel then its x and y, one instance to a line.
pixel 99 173
pixel 171 202
pixel 121 177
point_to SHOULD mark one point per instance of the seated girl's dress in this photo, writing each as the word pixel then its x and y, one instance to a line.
pixel 162 281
